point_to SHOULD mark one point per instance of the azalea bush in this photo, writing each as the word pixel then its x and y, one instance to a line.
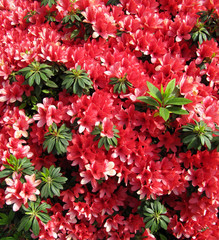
pixel 109 119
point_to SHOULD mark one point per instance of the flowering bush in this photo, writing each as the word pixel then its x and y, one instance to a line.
pixel 109 119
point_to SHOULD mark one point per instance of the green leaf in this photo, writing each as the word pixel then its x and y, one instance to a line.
pixel 115 142
pixel 154 227
pixel 200 38
pixel 188 138
pixel 51 84
pixel 23 223
pixel 154 92
pixel 193 143
pixel 35 227
pixel 49 2
pixel 4 219
pixel 164 113
pixel 113 2
pixel 149 224
pixel 149 101
pixel 124 88
pixel 75 33
pixel 55 190
pixel 177 110
pixel 100 143
pixel 207 142
pixel 149 210
pixel 8 238
pixel 178 101
pixel 44 191
pixel 43 207
pixel 45 218
pixel 29 223
pixel 48 72
pixel 5 173
pixel 43 76
pixel 31 79
pixel 37 79
pixel 170 87
pixel 165 218
pixel 163 224
pixel 51 145
pixel 195 36
pixel 23 70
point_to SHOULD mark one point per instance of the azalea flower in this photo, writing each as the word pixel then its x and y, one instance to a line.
pixel 12 192
pixel 107 128
pixel 29 190
pixel 18 193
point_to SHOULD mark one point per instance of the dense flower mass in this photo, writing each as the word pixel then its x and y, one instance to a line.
pixel 71 74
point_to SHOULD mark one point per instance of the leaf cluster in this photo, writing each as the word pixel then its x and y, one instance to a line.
pixel 51 16
pixel 36 73
pixel 6 219
pixel 57 139
pixel 113 2
pixel 8 229
pixel 76 81
pixel 198 135
pixel 75 19
pixel 207 26
pixel 120 84
pixel 166 101
pixel 29 15
pixel 23 166
pixel 153 213
pixel 34 212
pixel 107 142
pixel 52 181
pixel 49 2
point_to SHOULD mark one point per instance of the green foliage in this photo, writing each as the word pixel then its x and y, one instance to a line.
pixel 45 78
pixel 37 73
pixel 113 2
pixel 107 142
pixel 34 212
pixel 49 2
pixel 6 219
pixel 207 26
pixel 23 166
pixel 76 81
pixel 153 213
pixel 74 19
pixel 198 135
pixel 56 140
pixel 165 102
pixel 51 16
pixel 120 84
pixel 52 181
pixel 29 15
pixel 8 226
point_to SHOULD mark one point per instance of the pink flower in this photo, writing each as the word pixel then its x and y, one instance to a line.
pixel 47 113
pixel 19 193
pixel 29 188
pixel 107 128
pixel 13 192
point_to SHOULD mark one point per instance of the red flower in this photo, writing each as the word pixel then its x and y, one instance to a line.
pixel 169 141
pixel 18 193
pixel 107 130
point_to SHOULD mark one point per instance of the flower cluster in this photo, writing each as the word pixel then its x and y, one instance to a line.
pixel 100 101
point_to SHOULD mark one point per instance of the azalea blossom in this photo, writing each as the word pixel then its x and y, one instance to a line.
pixel 107 130
pixel 18 193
